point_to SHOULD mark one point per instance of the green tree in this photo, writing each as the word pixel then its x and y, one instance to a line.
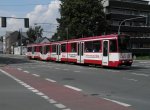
pixel 34 33
pixel 82 18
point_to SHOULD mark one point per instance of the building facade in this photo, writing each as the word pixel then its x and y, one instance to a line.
pixel 135 14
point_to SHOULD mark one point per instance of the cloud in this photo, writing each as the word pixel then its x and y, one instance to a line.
pixel 46 14
pixel 40 14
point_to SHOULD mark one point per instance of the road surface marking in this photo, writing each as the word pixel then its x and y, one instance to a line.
pixel 143 62
pixel 19 68
pixel 50 80
pixel 65 69
pixel 74 88
pixel 35 90
pixel 138 74
pixel 57 68
pixel 36 75
pixel 60 106
pixel 76 71
pixel 66 109
pixel 27 86
pixel 52 101
pixel 45 97
pixel 30 88
pixel 131 79
pixel 120 103
pixel 26 71
pixel 40 93
pixel 114 71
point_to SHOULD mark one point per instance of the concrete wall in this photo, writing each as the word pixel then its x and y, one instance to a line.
pixel 17 50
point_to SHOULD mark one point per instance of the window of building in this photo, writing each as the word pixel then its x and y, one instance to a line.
pixel 63 47
pixel 113 46
pixel 73 47
pixel 92 46
pixel 53 48
pixel 114 22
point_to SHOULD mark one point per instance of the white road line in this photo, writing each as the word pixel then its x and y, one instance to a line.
pixel 50 80
pixel 57 68
pixel 65 69
pixel 60 106
pixel 74 88
pixel 120 103
pixel 31 88
pixel 143 62
pixel 131 79
pixel 76 71
pixel 36 75
pixel 35 90
pixel 138 74
pixel 26 71
pixel 45 97
pixel 40 93
pixel 66 109
pixel 114 71
pixel 19 68
pixel 52 101
pixel 27 86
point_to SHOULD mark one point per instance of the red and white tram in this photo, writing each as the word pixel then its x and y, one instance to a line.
pixel 107 50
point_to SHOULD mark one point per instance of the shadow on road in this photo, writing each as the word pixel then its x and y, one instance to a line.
pixel 6 60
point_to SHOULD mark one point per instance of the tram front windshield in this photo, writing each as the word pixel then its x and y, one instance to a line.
pixel 124 44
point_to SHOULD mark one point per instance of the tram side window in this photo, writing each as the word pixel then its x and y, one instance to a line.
pixel 96 46
pixel 113 46
pixel 63 47
pixel 88 46
pixel 73 47
pixel 53 48
pixel 92 46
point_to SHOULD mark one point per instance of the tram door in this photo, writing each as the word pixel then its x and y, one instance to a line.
pixel 105 58
pixel 58 52
pixel 80 49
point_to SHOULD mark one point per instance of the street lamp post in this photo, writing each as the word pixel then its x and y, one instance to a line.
pixel 128 20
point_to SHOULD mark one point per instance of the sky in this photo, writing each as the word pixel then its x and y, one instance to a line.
pixel 38 11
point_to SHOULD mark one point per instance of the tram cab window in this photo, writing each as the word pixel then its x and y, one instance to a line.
pixel 73 47
pixel 92 46
pixel 53 48
pixel 113 45
pixel 63 47
pixel 29 49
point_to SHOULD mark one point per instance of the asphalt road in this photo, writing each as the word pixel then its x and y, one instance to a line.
pixel 125 86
